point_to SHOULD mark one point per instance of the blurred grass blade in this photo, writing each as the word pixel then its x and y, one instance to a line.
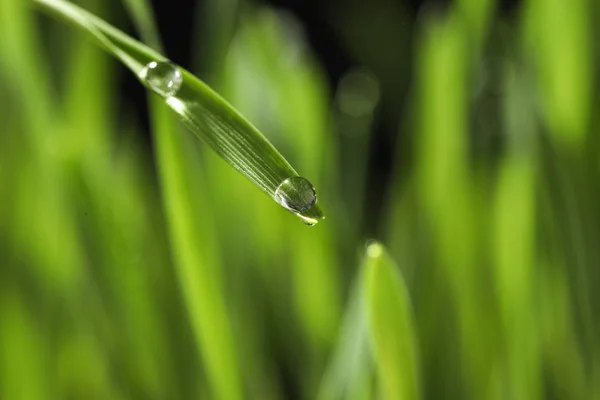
pixel 198 267
pixel 216 24
pixel 22 355
pixel 564 58
pixel 349 371
pixel 477 15
pixel 201 110
pixel 514 238
pixel 143 18
pixel 391 326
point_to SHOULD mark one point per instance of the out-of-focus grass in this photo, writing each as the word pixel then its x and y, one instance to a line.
pixel 198 268
pixel 120 282
pixel 391 328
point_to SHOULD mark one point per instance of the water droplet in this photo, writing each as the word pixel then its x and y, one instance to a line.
pixel 296 194
pixel 163 77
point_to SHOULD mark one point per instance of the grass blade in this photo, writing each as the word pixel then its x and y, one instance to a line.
pixel 514 238
pixel 143 18
pixel 565 62
pixel 23 357
pixel 201 110
pixel 349 370
pixel 391 326
pixel 197 266
pixel 197 270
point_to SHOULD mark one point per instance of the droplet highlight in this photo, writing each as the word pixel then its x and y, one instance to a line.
pixel 296 194
pixel 163 77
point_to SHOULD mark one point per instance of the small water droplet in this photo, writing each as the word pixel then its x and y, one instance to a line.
pixel 163 77
pixel 296 194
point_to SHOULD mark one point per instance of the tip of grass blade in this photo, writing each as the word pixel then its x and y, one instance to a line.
pixel 390 325
pixel 374 249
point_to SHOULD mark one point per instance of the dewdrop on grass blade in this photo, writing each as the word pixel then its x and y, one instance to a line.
pixel 297 195
pixel 163 77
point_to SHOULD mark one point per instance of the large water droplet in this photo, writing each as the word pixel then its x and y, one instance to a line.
pixel 296 194
pixel 163 77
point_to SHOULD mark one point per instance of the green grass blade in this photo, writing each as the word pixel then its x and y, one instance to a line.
pixel 391 326
pixel 348 373
pixel 564 58
pixel 514 238
pixel 23 356
pixel 143 18
pixel 197 266
pixel 201 110
pixel 197 270
pixel 32 155
pixel 216 22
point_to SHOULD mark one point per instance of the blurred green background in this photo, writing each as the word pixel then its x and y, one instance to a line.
pixel 463 136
